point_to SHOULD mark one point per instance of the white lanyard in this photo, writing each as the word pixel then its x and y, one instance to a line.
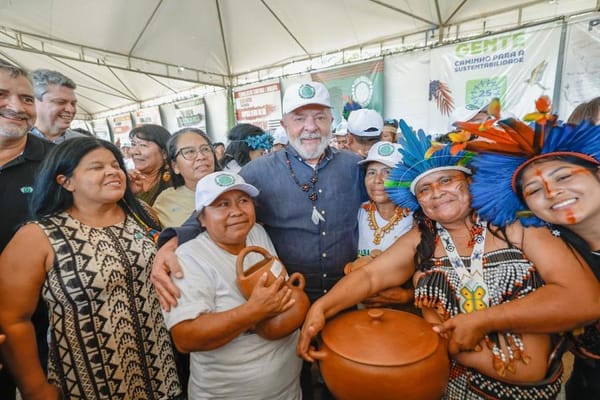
pixel 474 293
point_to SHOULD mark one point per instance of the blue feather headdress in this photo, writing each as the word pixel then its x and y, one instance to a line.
pixel 420 156
pixel 512 146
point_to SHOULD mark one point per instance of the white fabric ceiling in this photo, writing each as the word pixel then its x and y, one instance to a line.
pixel 127 52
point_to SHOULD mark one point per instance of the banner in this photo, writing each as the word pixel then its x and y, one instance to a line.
pixel 147 116
pixel 100 129
pixel 581 71
pixel 517 67
pixel 121 125
pixel 360 83
pixel 191 114
pixel 259 105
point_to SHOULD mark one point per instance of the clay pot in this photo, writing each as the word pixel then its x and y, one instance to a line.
pixel 377 354
pixel 286 322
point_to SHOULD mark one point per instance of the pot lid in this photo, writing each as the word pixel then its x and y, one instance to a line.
pixel 380 337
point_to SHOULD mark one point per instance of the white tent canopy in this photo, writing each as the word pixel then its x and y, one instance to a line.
pixel 124 53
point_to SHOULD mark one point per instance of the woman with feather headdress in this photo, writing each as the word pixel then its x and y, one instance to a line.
pixel 495 291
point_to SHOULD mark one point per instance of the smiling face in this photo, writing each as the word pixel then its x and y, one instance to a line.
pixel 444 196
pixel 229 219
pixel 309 129
pixel 56 110
pixel 97 179
pixel 147 156
pixel 194 169
pixel 17 105
pixel 560 192
pixel 375 176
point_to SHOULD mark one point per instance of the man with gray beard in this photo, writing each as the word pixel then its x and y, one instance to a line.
pixel 20 156
pixel 308 201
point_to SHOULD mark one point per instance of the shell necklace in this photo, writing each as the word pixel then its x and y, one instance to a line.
pixel 379 233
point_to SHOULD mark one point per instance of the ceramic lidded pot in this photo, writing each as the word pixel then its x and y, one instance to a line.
pixel 286 322
pixel 382 354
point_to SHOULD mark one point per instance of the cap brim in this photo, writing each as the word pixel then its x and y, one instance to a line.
pixel 308 104
pixel 244 187
pixel 366 161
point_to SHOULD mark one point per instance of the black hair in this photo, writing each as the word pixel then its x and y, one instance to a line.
pixel 217 144
pixel 238 149
pixel 151 133
pixel 50 198
pixel 176 179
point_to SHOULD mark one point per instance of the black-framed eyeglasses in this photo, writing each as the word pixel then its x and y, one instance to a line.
pixel 190 153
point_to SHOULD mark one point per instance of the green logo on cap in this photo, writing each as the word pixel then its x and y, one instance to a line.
pixel 224 180
pixel 385 150
pixel 306 91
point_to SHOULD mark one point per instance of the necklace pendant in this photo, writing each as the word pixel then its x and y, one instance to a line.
pixel 305 187
pixel 314 179
pixel 313 196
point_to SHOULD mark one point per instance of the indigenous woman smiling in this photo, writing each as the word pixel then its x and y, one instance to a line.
pixel 487 282
pixel 90 262
pixel 548 174
pixel 191 157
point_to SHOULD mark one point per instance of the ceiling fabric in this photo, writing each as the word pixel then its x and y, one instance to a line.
pixel 127 52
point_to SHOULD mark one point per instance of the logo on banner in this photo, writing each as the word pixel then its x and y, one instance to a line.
pixel 481 91
pixel 362 90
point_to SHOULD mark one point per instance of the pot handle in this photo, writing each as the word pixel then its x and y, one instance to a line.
pixel 239 264
pixel 297 276
pixel 317 354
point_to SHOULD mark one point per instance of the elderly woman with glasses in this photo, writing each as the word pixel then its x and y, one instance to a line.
pixel 191 157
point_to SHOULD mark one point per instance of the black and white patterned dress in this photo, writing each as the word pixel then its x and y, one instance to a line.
pixel 107 336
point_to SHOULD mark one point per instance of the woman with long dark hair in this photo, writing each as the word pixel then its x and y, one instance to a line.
pixel 91 261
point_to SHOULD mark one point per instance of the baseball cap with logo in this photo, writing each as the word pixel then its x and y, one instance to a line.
pixel 384 152
pixel 302 94
pixel 209 188
pixel 365 122
pixel 280 136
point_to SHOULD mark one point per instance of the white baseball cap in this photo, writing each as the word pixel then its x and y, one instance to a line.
pixel 302 94
pixel 384 152
pixel 365 122
pixel 215 184
pixel 280 136
pixel 341 129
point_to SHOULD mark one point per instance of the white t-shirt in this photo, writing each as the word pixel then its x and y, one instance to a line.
pixel 366 234
pixel 248 367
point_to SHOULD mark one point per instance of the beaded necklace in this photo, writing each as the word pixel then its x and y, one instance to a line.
pixel 306 187
pixel 379 233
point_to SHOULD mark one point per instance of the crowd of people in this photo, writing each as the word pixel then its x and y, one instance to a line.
pixel 124 259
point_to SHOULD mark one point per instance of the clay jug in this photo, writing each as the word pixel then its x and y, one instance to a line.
pixel 284 323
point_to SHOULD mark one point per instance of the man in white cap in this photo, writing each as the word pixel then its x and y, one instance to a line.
pixel 281 139
pixel 340 140
pixel 364 128
pixel 308 201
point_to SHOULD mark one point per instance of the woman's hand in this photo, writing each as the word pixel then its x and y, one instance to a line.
pixel 273 299
pixel 136 179
pixel 395 295
pixel 313 324
pixel 166 265
pixel 464 332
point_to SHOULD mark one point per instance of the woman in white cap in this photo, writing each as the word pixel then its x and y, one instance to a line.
pixel 380 221
pixel 213 321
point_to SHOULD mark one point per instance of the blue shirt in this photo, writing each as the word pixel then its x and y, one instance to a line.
pixel 320 251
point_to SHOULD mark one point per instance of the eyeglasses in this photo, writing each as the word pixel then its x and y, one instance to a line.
pixel 190 153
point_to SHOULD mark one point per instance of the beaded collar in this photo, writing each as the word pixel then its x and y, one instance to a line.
pixel 307 187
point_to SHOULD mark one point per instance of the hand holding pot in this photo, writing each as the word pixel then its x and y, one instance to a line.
pixel 271 300
pixel 464 332
pixel 313 324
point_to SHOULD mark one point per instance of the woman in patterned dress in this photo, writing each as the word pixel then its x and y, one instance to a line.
pixel 489 284
pixel 88 253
